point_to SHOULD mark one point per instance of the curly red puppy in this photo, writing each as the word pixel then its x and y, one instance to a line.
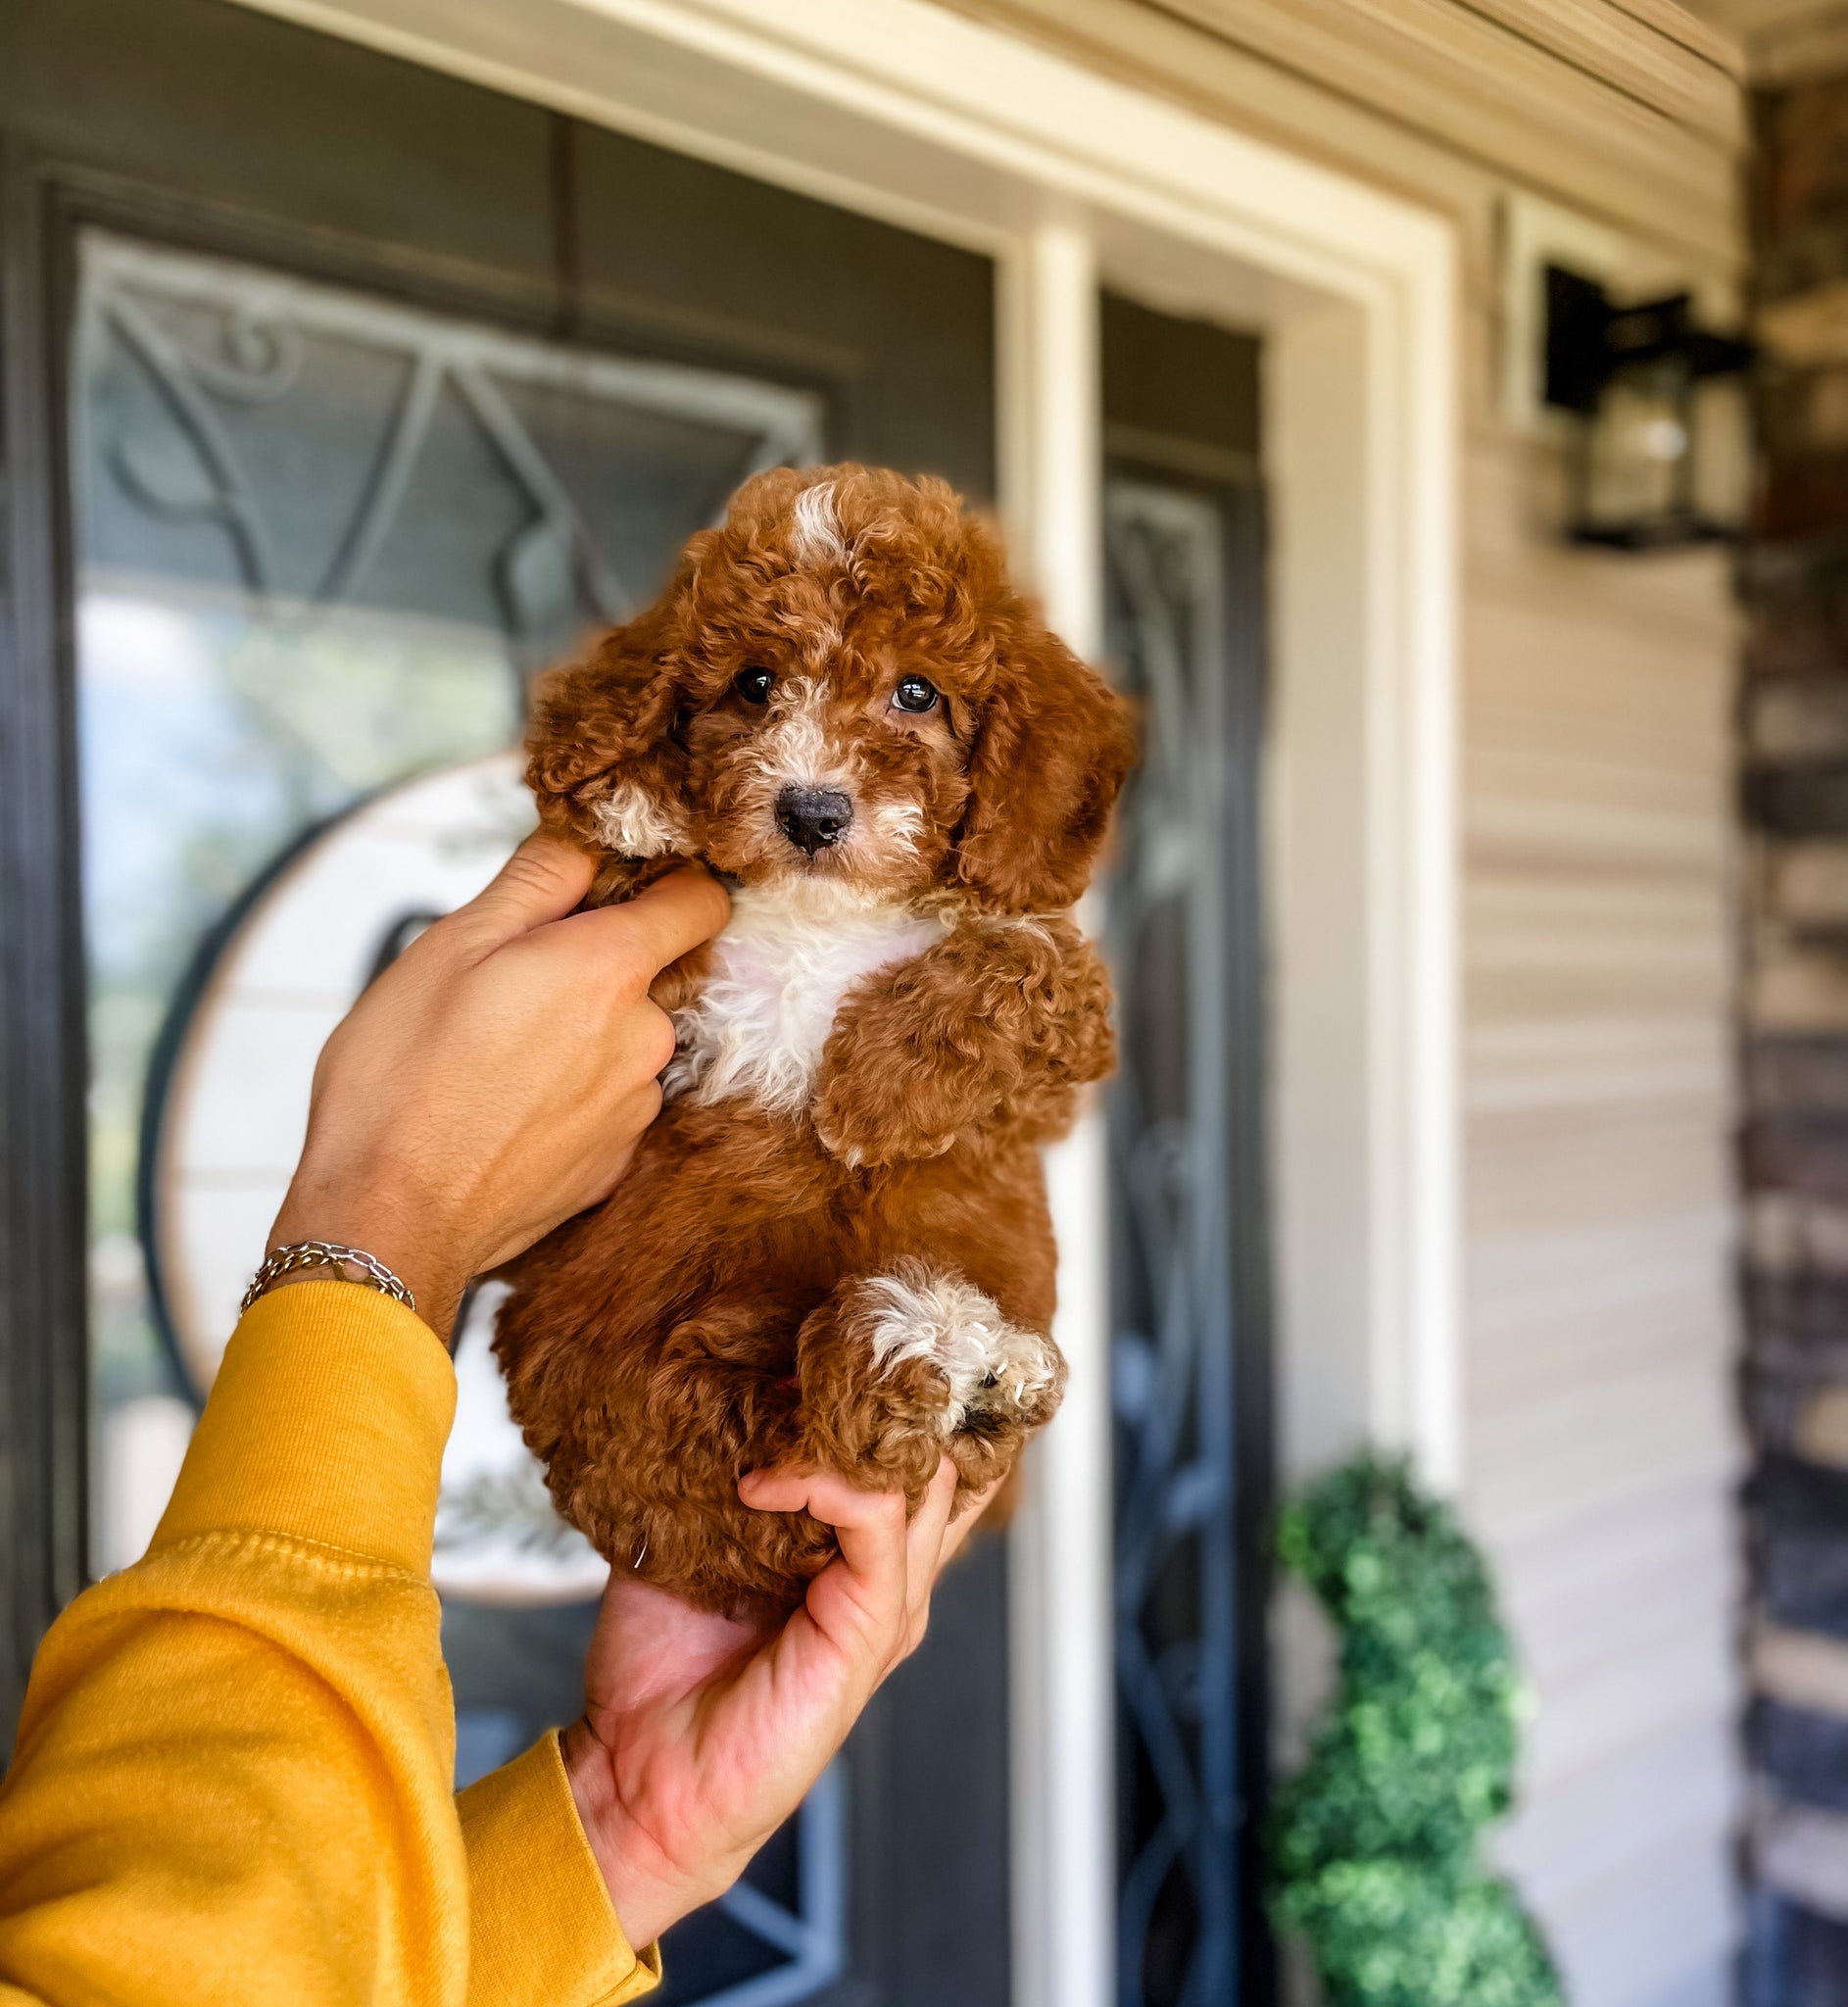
pixel 836 1250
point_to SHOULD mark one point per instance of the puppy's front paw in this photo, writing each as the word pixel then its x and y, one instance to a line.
pixel 862 1137
pixel 902 1368
pixel 902 1116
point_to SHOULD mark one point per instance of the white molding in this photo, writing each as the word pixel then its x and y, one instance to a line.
pixel 976 126
pixel 1061 1664
pixel 906 110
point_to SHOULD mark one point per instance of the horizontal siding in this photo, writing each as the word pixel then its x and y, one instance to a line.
pixel 1681 1777
pixel 1602 1450
pixel 1408 92
pixel 1599 970
pixel 1664 1929
pixel 1637 1317
pixel 1557 1175
pixel 1681 67
pixel 1581 1593
pixel 1602 1060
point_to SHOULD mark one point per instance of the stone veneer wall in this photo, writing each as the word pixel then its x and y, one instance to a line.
pixel 1794 734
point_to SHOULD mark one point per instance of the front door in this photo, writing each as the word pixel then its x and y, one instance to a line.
pixel 357 395
pixel 1184 581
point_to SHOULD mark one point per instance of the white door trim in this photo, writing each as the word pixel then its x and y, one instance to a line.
pixel 1061 1665
pixel 906 110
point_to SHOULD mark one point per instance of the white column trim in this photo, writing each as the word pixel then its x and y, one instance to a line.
pixel 1061 1664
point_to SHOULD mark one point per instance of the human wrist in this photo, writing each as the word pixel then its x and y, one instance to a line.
pixel 648 1891
pixel 356 1211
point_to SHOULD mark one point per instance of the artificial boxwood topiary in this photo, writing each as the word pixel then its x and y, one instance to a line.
pixel 1375 1842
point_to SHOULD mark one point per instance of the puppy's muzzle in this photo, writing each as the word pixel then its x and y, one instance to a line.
pixel 813 819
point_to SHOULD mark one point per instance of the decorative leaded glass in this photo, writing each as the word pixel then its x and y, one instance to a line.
pixel 1173 897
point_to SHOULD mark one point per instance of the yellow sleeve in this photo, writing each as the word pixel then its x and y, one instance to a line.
pixel 232 1778
pixel 541 1928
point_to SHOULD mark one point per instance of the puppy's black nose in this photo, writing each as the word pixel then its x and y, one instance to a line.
pixel 813 818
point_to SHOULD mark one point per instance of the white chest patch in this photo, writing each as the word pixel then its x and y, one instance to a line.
pixel 780 969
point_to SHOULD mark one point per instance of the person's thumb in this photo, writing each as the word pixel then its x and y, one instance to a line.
pixel 543 880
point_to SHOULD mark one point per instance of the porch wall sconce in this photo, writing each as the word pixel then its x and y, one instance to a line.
pixel 1658 456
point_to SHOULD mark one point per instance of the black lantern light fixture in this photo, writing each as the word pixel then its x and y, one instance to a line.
pixel 1658 411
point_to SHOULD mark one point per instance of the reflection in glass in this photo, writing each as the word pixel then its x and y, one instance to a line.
pixel 212 733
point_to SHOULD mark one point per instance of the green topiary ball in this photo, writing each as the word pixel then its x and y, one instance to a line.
pixel 1375 1841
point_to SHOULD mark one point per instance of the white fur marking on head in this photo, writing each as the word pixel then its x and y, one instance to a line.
pixel 899 824
pixel 787 957
pixel 816 531
pixel 988 1362
pixel 794 750
pixel 633 823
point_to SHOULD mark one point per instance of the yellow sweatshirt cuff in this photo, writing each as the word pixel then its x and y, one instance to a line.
pixel 541 1928
pixel 326 1422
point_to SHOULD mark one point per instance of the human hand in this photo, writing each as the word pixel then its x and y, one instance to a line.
pixel 496 1079
pixel 701 1734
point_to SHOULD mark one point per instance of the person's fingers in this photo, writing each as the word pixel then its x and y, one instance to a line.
pixel 923 1548
pixel 659 925
pixel 784 1488
pixel 963 1526
pixel 543 880
pixel 653 1038
pixel 609 1174
pixel 627 1125
pixel 924 1536
pixel 869 1527
pixel 641 1105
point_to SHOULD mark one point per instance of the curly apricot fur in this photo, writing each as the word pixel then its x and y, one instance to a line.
pixel 742 1299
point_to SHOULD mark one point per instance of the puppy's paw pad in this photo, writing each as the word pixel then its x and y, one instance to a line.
pixel 994 1371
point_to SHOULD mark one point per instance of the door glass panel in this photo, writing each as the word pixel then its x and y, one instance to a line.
pixel 322 541
pixel 1176 897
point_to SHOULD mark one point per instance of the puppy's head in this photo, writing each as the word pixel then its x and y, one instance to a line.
pixel 840 685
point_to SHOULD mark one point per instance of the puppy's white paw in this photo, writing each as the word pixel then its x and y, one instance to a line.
pixel 995 1369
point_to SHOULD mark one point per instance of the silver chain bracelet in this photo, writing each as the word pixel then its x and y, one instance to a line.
pixel 325 1254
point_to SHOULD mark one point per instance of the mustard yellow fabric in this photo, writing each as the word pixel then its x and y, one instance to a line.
pixel 232 1775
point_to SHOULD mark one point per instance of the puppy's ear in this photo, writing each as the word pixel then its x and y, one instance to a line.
pixel 602 757
pixel 1052 746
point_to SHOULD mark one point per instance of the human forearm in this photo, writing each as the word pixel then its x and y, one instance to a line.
pixel 235 1759
pixel 246 1735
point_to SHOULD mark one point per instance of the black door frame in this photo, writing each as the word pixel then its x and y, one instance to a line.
pixel 1228 480
pixel 43 1069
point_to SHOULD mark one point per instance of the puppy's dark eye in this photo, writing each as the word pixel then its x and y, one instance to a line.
pixel 914 694
pixel 753 684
